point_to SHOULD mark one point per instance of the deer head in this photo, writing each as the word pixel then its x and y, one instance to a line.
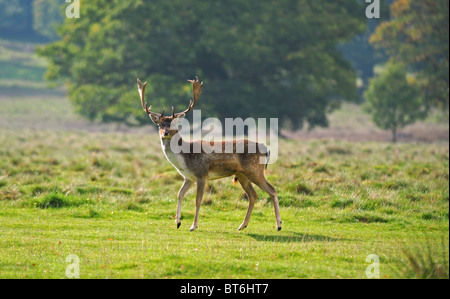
pixel 164 122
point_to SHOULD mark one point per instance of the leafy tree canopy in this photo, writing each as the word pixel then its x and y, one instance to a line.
pixel 393 99
pixel 417 35
pixel 257 58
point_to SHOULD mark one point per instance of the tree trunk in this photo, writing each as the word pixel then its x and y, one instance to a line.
pixel 394 134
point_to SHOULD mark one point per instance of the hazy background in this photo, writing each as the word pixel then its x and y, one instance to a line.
pixel 309 64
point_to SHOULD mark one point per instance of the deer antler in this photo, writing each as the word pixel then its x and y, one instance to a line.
pixel 141 88
pixel 197 90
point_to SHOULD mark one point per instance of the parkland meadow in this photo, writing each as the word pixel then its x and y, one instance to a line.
pixel 110 199
pixel 106 194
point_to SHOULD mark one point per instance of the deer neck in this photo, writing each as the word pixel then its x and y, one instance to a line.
pixel 166 146
pixel 174 157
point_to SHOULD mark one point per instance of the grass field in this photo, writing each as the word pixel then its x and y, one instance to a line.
pixel 110 199
pixel 71 187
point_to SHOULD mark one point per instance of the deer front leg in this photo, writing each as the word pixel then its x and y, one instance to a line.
pixel 198 201
pixel 186 185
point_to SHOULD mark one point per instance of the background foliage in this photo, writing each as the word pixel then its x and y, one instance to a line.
pixel 256 58
pixel 30 17
pixel 418 36
pixel 295 60
pixel 393 100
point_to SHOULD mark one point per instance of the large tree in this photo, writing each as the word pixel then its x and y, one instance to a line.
pixel 257 58
pixel 418 36
pixel 393 99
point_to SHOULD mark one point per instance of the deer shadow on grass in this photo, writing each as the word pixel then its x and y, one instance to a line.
pixel 294 238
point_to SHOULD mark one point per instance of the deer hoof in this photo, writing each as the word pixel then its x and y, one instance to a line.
pixel 178 225
pixel 242 227
pixel 279 228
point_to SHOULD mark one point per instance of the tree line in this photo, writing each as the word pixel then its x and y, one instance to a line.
pixel 257 58
pixel 416 77
pixel 30 17
pixel 291 59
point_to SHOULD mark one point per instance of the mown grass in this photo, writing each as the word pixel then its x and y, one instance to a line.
pixel 66 188
pixel 110 198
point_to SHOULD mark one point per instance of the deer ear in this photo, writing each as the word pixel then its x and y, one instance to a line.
pixel 155 119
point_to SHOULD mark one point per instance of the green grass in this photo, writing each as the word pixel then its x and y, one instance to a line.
pixel 67 188
pixel 110 199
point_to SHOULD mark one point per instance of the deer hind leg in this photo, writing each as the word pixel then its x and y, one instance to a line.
pixel 262 183
pixel 198 201
pixel 252 196
pixel 186 185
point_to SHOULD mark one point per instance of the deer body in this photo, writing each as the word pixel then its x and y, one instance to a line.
pixel 206 161
pixel 211 165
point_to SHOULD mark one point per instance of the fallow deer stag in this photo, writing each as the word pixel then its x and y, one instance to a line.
pixel 210 165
